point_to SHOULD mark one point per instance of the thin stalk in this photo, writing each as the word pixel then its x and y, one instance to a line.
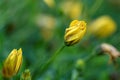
pixel 41 69
pixel 93 54
pixel 44 67
pixel 95 7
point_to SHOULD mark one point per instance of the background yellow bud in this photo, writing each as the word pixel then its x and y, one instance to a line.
pixel 26 75
pixel 80 64
pixel 75 32
pixel 72 9
pixel 12 63
pixel 102 27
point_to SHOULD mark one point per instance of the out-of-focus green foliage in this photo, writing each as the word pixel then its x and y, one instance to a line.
pixel 38 28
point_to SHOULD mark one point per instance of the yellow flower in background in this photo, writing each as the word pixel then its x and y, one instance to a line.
pixel 102 27
pixel 12 63
pixel 50 3
pixel 75 32
pixel 71 9
pixel 46 23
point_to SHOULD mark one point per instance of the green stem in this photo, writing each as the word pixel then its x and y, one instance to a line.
pixel 87 13
pixel 44 67
pixel 91 56
pixel 95 7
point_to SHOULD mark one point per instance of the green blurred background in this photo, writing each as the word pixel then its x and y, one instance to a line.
pixel 38 28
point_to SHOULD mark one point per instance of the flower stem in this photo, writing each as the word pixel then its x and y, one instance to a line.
pixel 93 54
pixel 95 7
pixel 45 66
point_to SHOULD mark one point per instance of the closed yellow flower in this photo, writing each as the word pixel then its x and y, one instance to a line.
pixel 75 32
pixel 12 63
pixel 102 27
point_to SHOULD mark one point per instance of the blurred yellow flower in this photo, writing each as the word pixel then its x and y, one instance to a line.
pixel 50 3
pixel 72 9
pixel 12 63
pixel 46 23
pixel 102 27
pixel 75 32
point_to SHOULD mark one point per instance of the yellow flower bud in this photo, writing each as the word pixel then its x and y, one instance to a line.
pixel 80 64
pixel 12 63
pixel 102 27
pixel 26 75
pixel 75 32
